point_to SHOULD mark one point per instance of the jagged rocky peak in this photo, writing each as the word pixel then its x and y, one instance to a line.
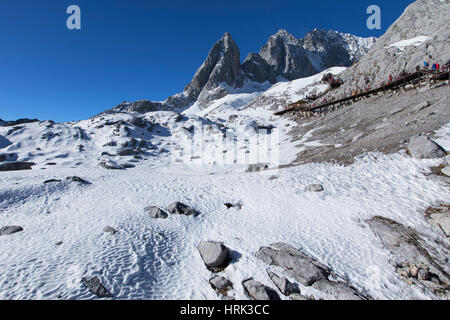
pixel 222 65
pixel 293 58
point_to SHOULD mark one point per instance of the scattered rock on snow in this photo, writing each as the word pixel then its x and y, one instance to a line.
pixel 77 179
pixel 233 205
pixel 110 230
pixel 156 212
pixel 221 284
pixel 8 230
pixel 214 254
pixel 15 166
pixel 257 167
pixel 110 165
pixel 258 291
pixel 315 188
pixel 284 285
pixel 181 208
pixel 302 268
pixel 421 147
pixel 96 287
pixel 52 181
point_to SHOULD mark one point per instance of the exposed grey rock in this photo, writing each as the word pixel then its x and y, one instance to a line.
pixel 51 181
pixel 15 166
pixel 232 117
pixel 284 285
pixel 257 167
pixel 407 248
pixel 138 122
pixel 181 208
pixel 421 147
pixel 446 171
pixel 58 243
pixel 8 156
pixel 221 66
pixel 299 297
pixel 315 188
pixel 293 58
pixel 77 179
pixel 141 106
pixel 110 230
pixel 257 69
pixel 302 268
pixel 447 160
pixel 96 287
pixel 221 284
pixel 110 165
pixel 258 291
pixel 125 152
pixel 8 230
pixel 156 212
pixel 214 254
pixel 440 217
pixel 338 290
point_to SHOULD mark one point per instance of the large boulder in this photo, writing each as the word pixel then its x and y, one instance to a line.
pixel 258 291
pixel 284 285
pixel 156 212
pixel 300 267
pixel 181 208
pixel 15 166
pixel 96 287
pixel 421 147
pixel 214 254
pixel 337 290
pixel 8 230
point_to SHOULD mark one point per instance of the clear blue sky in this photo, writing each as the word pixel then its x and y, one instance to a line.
pixel 140 49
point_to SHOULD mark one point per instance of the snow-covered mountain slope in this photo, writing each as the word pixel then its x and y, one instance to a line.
pixel 123 138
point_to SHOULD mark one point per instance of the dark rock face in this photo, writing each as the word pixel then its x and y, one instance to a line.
pixel 181 208
pixel 8 230
pixel 257 69
pixel 14 166
pixel 110 230
pixel 77 179
pixel 156 213
pixel 18 121
pixel 96 287
pixel 221 66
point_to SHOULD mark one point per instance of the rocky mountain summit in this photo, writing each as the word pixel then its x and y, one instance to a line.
pixel 283 57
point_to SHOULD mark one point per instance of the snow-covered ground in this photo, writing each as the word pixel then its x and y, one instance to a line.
pixel 157 259
pixel 196 158
pixel 417 41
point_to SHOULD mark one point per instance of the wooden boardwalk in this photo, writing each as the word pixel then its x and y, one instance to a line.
pixel 303 105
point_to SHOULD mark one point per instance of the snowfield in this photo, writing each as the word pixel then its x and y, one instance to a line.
pixel 158 259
